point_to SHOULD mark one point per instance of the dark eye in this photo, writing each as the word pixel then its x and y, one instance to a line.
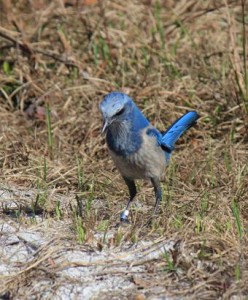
pixel 120 112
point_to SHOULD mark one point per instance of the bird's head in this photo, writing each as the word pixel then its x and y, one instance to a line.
pixel 115 108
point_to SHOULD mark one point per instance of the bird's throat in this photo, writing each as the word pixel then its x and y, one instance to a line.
pixel 122 139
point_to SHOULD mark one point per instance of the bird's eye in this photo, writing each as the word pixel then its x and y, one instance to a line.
pixel 120 112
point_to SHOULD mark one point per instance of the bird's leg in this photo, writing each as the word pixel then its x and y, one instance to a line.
pixel 158 192
pixel 132 192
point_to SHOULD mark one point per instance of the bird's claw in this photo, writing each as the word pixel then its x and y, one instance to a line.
pixel 124 216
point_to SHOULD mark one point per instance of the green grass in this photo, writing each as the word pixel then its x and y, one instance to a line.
pixel 236 215
pixel 170 266
pixel 49 132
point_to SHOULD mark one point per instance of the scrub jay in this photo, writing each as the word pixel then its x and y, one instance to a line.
pixel 138 149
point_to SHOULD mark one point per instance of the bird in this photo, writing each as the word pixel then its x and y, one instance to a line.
pixel 138 149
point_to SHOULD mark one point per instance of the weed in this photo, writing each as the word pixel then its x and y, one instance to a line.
pixel 170 266
pixel 80 174
pixel 237 217
pixel 58 210
pixel 160 27
pixel 49 132
pixel 118 237
pixel 80 230
pixel 6 67
pixel 244 56
pixel 198 224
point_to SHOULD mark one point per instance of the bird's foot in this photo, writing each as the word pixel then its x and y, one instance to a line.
pixel 124 216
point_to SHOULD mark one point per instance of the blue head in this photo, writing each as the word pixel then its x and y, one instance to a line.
pixel 122 122
pixel 118 108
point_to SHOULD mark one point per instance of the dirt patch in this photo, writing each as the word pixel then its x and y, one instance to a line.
pixel 64 270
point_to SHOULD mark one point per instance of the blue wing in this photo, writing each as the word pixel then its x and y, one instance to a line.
pixel 172 134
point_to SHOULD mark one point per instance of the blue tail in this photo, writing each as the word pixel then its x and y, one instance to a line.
pixel 172 134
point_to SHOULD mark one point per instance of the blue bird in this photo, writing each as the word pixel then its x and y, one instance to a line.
pixel 138 149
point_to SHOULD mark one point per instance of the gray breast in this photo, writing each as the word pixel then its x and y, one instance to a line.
pixel 149 161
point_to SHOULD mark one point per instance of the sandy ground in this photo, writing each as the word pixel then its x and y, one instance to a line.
pixel 72 271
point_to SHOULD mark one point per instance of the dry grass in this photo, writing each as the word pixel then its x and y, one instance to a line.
pixel 60 58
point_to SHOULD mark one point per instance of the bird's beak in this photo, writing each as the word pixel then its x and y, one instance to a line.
pixel 106 124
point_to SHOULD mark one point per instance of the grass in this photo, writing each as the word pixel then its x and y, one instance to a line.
pixel 50 136
pixel 170 57
pixel 169 262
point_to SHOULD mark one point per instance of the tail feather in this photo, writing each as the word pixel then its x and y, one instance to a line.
pixel 172 134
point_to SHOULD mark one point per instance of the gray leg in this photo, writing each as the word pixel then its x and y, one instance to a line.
pixel 158 192
pixel 132 192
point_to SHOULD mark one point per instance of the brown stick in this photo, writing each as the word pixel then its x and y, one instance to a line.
pixel 29 50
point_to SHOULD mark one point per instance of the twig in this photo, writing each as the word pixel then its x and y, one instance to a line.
pixel 29 50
